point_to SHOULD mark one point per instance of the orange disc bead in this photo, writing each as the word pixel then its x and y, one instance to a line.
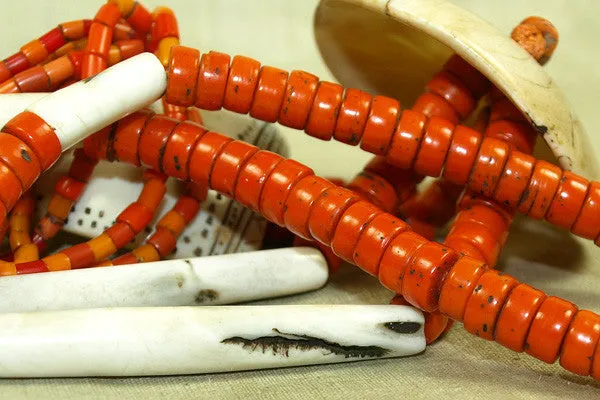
pixel 204 154
pixel 38 135
pixel 407 139
pixel 485 303
pixel 20 159
pixel 396 258
pixel 253 176
pixel 587 223
pixel 182 75
pixel 300 202
pixel 519 135
pixel 478 236
pixel 127 137
pixel 212 80
pixel 269 94
pixel 490 215
pixel 514 179
pixel 475 81
pixel 327 211
pixel 580 343
pixel 536 199
pixel 424 275
pixel 549 328
pixel 432 105
pixel 153 141
pixel 324 111
pixel 462 154
pixel 374 241
pixel 277 188
pixel 298 99
pixel 376 189
pixel 446 85
pixel 568 200
pixel 179 148
pixel 489 165
pixel 434 147
pixel 241 84
pixel 459 285
pixel 517 316
pixel 350 227
pixel 352 116
pixel 228 164
pixel 380 125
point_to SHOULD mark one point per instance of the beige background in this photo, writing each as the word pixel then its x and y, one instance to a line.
pixel 279 33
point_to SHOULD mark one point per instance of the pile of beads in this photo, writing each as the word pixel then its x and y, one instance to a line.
pixel 357 224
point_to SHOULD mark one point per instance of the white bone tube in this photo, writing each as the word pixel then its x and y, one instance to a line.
pixel 85 107
pixel 191 340
pixel 15 103
pixel 201 281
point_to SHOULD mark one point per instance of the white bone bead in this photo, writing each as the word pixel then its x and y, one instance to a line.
pixel 191 340
pixel 85 107
pixel 202 281
pixel 15 103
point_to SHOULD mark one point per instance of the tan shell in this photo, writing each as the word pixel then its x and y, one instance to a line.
pixel 393 47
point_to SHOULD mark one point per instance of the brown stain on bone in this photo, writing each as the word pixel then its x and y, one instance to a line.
pixel 206 295
pixel 281 345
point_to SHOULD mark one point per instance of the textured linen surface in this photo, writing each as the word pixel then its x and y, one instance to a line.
pixel 460 366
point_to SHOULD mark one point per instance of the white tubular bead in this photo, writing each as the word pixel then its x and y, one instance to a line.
pixel 191 340
pixel 203 281
pixel 85 107
pixel 15 103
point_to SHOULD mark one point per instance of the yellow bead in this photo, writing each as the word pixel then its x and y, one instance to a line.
pixel 18 239
pixel 57 262
pixel 114 55
pixel 146 253
pixel 7 268
pixel 102 247
pixel 164 49
pixel 60 207
pixel 26 253
pixel 125 6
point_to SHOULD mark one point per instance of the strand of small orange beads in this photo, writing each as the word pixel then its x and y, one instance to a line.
pixel 471 160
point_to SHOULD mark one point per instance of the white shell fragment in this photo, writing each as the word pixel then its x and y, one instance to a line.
pixel 85 107
pixel 192 340
pixel 394 47
pixel 198 281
